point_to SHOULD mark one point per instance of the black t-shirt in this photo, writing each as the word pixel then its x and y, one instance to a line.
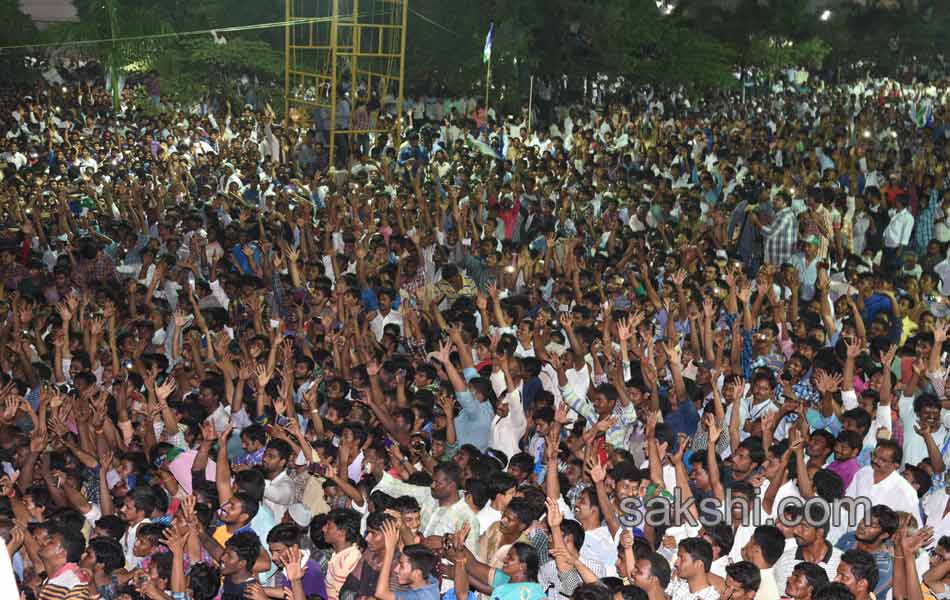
pixel 234 591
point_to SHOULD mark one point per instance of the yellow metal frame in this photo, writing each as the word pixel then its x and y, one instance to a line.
pixel 329 42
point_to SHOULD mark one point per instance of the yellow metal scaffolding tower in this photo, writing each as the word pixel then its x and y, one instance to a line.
pixel 335 47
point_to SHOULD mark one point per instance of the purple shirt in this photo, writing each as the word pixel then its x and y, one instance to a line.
pixel 313 582
pixel 845 469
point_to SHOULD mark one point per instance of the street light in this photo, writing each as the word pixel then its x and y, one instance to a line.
pixel 825 15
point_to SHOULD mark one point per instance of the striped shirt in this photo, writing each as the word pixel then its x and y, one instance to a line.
pixel 339 568
pixel 66 584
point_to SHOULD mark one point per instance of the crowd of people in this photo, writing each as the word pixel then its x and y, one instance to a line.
pixel 478 360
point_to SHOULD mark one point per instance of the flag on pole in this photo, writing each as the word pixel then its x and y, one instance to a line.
pixel 486 54
pixel 481 147
pixel 923 113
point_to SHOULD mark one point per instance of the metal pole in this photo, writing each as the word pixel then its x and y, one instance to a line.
pixel 287 15
pixel 530 102
pixel 487 84
pixel 402 71
pixel 334 23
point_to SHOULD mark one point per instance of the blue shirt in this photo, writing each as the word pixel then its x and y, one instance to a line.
pixel 430 591
pixel 473 423
pixel 526 590
pixel 884 560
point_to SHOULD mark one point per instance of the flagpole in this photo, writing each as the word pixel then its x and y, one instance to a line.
pixel 530 102
pixel 487 83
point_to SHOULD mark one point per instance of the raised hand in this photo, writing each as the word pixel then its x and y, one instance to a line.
pixel 292 566
pixel 683 443
pixel 554 513
pixel 712 428
pixel 596 470
pixel 263 376
pixel 165 390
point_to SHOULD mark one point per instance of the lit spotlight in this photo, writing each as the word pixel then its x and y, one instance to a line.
pixel 825 15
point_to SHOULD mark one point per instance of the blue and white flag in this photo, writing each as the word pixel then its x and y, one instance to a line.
pixel 486 53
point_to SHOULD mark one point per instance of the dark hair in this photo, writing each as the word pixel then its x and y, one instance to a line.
pixel 281 447
pixel 255 433
pixel 73 543
pixel 529 556
pixel 660 568
pixel 287 534
pixel 746 574
pixel 376 520
pixel 921 479
pixel 143 498
pixel 251 482
pixel 926 401
pixel 860 417
pixel 756 451
pixel 625 471
pixel 722 536
pixel 886 518
pixel 421 558
pixel 477 490
pixel 405 504
pixel 572 529
pixel 591 591
pixel 815 575
pixel 852 439
pixel 832 591
pixel 163 565
pixel 247 546
pixel 523 461
pixel 500 483
pixel 522 510
pixel 451 472
pixel 698 549
pixel 204 581
pixel 828 485
pixel 863 566
pixel 249 505
pixel 771 541
pixel 895 449
pixel 632 592
pixel 109 553
pixel 827 436
pixel 151 532
pixel 348 521
pixel 113 525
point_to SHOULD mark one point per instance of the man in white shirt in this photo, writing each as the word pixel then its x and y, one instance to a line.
pixel 881 482
pixel 897 234
pixel 135 510
pixel 501 489
pixel 691 576
pixel 764 550
pixel 278 487
pixel 385 315
pixel 923 415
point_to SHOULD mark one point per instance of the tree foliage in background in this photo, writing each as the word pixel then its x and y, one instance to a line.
pixel 697 44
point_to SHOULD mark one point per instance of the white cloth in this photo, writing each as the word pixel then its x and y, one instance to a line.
pixel 897 233
pixel 600 545
pixel 893 491
pixel 279 495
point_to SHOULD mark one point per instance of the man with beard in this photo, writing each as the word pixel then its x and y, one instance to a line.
pixel 443 509
pixel 806 578
pixel 278 486
pixel 872 537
